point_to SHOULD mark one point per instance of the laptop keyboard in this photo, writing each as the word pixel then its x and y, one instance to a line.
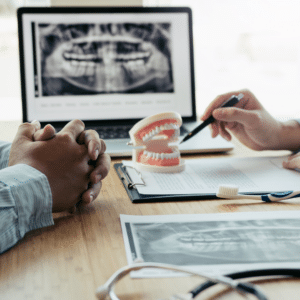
pixel 113 132
pixel 121 132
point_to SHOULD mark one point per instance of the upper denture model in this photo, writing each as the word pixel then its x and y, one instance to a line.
pixel 152 137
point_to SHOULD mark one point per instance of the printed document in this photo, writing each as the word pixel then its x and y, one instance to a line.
pixel 204 176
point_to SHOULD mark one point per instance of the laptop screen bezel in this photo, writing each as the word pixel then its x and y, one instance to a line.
pixel 62 10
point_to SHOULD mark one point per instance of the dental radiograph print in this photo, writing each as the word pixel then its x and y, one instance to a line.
pixel 152 137
pixel 82 59
pixel 217 242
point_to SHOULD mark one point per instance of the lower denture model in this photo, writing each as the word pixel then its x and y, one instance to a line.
pixel 152 137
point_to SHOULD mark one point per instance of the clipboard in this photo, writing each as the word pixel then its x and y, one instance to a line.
pixel 136 197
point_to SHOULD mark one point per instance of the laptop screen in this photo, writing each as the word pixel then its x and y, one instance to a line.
pixel 105 63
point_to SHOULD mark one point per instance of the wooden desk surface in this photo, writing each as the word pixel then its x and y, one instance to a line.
pixel 80 252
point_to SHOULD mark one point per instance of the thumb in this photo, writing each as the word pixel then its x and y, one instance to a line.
pixel 234 114
pixel 27 130
pixel 47 133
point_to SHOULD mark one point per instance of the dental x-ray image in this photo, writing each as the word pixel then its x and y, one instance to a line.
pixel 216 242
pixel 82 59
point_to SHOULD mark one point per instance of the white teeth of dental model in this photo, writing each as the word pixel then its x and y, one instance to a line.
pixel 161 155
pixel 158 129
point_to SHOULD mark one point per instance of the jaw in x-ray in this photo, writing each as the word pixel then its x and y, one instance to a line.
pixel 105 58
pixel 153 139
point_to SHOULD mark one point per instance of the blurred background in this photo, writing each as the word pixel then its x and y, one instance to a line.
pixel 238 44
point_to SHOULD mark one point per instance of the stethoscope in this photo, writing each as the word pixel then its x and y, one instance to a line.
pixel 106 291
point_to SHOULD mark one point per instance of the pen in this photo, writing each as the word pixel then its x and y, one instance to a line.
pixel 233 100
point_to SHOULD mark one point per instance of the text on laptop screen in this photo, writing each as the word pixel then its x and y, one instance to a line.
pixel 100 66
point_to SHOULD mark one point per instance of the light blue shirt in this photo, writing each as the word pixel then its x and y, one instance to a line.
pixel 25 200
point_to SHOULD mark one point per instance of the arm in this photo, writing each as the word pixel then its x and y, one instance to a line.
pixel 25 203
pixel 42 177
pixel 25 200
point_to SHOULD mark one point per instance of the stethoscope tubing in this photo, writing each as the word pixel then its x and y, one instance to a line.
pixel 248 274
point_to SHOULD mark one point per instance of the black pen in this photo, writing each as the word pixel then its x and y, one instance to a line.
pixel 233 100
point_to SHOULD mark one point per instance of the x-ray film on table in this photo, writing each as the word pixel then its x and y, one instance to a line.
pixel 214 243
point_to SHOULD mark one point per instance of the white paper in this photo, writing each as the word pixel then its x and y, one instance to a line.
pixel 204 176
pixel 213 243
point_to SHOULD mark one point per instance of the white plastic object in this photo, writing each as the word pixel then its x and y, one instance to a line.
pixel 151 138
pixel 231 192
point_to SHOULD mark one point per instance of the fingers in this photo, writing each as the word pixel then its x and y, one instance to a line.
pixel 223 132
pixel 293 162
pixel 98 174
pixel 101 168
pixel 217 102
pixel 95 145
pixel 73 128
pixel 45 134
pixel 214 128
pixel 234 114
pixel 27 130
pixel 91 194
pixel 36 124
pixel 248 102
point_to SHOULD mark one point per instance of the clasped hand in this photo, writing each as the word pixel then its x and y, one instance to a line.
pixel 73 160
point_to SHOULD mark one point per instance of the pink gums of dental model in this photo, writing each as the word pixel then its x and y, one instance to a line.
pixel 152 135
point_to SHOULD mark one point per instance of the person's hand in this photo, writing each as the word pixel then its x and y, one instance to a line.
pixel 293 162
pixel 62 159
pixel 248 121
pixel 99 159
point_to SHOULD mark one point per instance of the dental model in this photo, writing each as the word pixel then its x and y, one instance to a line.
pixel 151 137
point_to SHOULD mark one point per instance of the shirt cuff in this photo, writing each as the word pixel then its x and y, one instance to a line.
pixel 32 194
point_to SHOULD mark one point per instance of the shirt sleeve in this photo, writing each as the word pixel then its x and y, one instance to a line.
pixel 25 200
pixel 4 154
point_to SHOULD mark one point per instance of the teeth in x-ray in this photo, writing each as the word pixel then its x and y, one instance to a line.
pixel 135 69
pixel 90 69
pixel 211 241
pixel 99 56
pixel 106 57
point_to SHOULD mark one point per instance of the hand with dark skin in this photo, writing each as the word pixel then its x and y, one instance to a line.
pixel 253 126
pixel 68 159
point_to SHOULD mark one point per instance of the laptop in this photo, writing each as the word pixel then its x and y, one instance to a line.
pixel 110 67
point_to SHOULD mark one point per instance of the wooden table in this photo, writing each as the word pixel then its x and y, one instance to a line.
pixel 69 260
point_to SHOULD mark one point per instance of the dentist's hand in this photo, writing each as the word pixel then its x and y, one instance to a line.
pixel 251 124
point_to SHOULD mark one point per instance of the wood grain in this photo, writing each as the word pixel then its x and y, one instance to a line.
pixel 80 252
